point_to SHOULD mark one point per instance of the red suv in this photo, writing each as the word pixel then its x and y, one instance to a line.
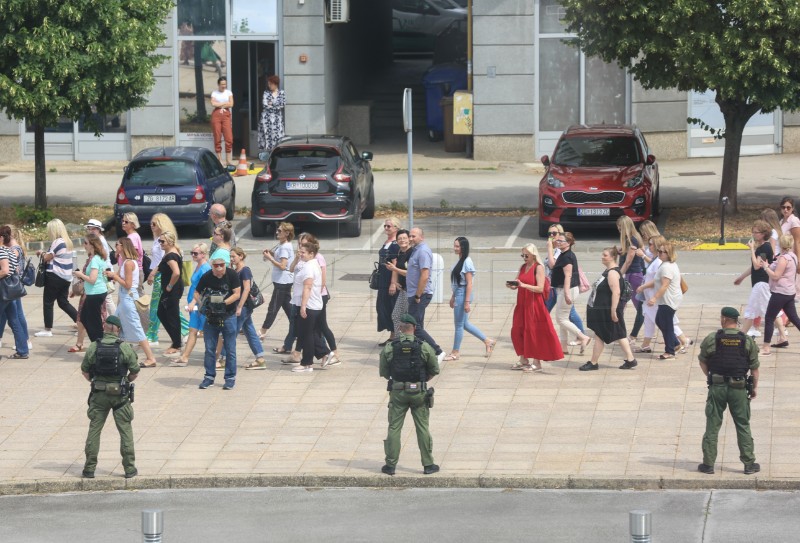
pixel 597 174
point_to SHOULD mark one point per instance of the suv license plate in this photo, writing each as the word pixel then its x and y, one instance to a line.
pixel 159 198
pixel 593 212
pixel 302 185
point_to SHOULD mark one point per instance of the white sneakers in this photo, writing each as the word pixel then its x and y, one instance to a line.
pixel 440 357
pixel 43 333
pixel 302 369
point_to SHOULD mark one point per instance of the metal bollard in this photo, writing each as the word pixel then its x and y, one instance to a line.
pixel 152 525
pixel 640 526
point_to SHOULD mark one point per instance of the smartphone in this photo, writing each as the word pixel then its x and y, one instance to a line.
pixel 512 283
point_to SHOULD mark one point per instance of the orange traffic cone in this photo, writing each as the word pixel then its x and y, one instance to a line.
pixel 241 169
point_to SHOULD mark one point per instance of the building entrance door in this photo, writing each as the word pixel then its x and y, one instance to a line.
pixel 251 63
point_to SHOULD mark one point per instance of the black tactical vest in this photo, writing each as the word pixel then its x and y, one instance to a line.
pixel 407 365
pixel 108 360
pixel 730 357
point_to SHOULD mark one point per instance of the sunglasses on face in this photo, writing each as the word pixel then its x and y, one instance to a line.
pixel 787 207
pixel 125 221
pixel 221 265
pixel 196 253
pixel 387 225
pixel 551 234
pixel 161 241
pixel 523 255
pixel 662 251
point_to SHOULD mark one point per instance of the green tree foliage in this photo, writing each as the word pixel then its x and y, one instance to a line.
pixel 75 58
pixel 748 51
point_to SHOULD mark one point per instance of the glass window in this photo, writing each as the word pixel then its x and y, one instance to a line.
pixel 559 85
pixel 588 152
pixel 605 92
pixel 108 124
pixel 197 78
pixel 160 173
pixel 201 17
pixel 254 17
pixel 304 159
pixel 551 17
pixel 63 126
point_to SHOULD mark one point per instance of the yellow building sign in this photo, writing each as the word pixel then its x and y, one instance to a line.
pixel 462 113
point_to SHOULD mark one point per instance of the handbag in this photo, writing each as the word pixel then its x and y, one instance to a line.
pixel 146 263
pixel 11 288
pixel 254 297
pixel 28 274
pixel 186 272
pixel 584 286
pixel 684 286
pixel 40 273
pixel 373 278
pixel 76 289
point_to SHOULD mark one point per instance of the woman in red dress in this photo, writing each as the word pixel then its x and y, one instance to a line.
pixel 532 331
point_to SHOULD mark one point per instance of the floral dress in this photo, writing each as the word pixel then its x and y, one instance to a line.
pixel 270 127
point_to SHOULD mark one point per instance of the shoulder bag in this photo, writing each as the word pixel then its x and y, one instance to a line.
pixel 584 286
pixel 374 277
pixel 28 274
pixel 11 288
pixel 254 297
pixel 684 286
pixel 40 273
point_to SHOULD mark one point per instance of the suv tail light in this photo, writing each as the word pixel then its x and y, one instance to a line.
pixel 122 198
pixel 341 177
pixel 265 176
pixel 199 195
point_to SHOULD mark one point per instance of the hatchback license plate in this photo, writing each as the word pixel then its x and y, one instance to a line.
pixel 593 212
pixel 159 198
pixel 302 185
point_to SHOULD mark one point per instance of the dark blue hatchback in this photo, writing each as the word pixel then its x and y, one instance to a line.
pixel 182 182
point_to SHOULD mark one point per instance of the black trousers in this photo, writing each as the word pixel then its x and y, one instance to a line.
pixel 281 299
pixel 776 303
pixel 324 329
pixel 309 337
pixel 56 290
pixel 91 315
pixel 169 313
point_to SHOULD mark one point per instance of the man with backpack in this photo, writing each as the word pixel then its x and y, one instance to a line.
pixel 111 366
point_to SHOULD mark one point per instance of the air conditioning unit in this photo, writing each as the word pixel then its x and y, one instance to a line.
pixel 338 11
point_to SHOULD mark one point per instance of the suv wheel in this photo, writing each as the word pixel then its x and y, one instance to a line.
pixel 119 230
pixel 258 228
pixel 352 229
pixel 231 209
pixel 206 230
pixel 543 227
pixel 656 207
pixel 369 211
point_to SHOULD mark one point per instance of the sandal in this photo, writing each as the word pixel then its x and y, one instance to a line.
pixel 490 347
pixel 452 356
pixel 280 350
pixel 642 350
pixel 78 348
pixel 583 345
pixel 262 334
pixel 152 364
pixel 666 356
pixel 180 363
pixel 520 366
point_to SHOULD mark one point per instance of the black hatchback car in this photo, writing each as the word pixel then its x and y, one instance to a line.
pixel 314 179
pixel 183 182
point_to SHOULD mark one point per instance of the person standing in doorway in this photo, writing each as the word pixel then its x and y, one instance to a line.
pixel 221 123
pixel 270 127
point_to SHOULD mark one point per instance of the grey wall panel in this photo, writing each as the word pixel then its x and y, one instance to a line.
pixel 162 93
pixel 315 65
pixel 639 94
pixel 302 89
pixel 791 118
pixel 304 31
pixel 153 121
pixel 505 59
pixel 8 127
pixel 507 89
pixel 302 119
pixel 502 7
pixel 512 30
pixel 309 8
pixel 504 119
pixel 660 116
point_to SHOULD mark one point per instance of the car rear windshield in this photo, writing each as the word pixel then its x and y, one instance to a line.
pixel 161 173
pixel 594 151
pixel 311 159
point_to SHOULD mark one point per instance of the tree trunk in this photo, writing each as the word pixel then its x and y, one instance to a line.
pixel 736 114
pixel 200 99
pixel 40 172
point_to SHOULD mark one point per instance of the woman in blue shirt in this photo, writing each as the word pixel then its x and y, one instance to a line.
pixel 95 286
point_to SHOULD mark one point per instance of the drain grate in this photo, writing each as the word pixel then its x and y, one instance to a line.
pixel 355 277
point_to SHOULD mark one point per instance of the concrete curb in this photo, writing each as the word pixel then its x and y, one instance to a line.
pixel 175 482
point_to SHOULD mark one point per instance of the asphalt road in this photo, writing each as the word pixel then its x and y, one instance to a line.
pixel 387 515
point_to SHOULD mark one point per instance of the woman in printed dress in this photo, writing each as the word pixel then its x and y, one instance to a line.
pixel 270 127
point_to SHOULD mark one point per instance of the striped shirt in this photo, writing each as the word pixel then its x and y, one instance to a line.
pixel 13 254
pixel 61 264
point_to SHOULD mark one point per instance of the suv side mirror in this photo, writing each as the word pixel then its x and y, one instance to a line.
pixel 545 160
pixel 651 159
pixel 366 155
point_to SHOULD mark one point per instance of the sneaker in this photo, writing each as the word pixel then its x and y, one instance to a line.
pixel 18 356
pixel 433 468
pixel 387 469
pixel 153 343
pixel 589 367
pixel 131 474
pixel 440 357
pixel 705 468
pixel 519 366
pixel 753 333
pixel 43 333
pixel 750 469
pixel 629 364
pixel 303 369
pixel 334 361
pixel 207 382
pixel 30 345
pixel 229 384
pixel 327 359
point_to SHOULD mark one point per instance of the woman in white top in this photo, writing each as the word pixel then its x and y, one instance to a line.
pixel 281 256
pixel 668 297
pixel 128 280
pixel 308 285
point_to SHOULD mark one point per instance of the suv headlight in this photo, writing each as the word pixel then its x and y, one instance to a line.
pixel 554 181
pixel 633 181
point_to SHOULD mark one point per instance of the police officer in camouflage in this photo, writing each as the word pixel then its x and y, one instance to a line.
pixel 111 366
pixel 726 357
pixel 408 363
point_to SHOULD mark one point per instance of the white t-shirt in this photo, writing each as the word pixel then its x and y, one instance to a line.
pixel 673 295
pixel 223 96
pixel 309 270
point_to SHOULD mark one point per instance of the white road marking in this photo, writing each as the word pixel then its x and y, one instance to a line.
pixel 513 237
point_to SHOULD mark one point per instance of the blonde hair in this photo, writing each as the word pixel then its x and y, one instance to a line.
pixel 97 245
pixel 648 230
pixel 56 229
pixel 132 218
pixel 238 251
pixel 394 221
pixel 202 247
pixel 786 242
pixel 771 217
pixel 164 224
pixel 16 233
pixel 288 228
pixel 763 227
pixel 627 233
pixel 171 239
pixel 669 248
pixel 557 226
pixel 531 248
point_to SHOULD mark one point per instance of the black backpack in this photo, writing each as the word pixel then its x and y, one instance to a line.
pixel 108 360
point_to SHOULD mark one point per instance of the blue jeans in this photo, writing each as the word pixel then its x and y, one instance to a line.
pixel 9 309
pixel 211 334
pixel 574 318
pixel 417 310
pixel 23 322
pixel 291 334
pixel 461 319
pixel 245 322
pixel 664 316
